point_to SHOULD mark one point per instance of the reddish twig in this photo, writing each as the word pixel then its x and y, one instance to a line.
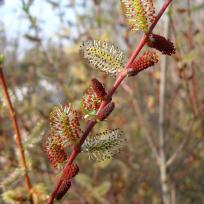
pixel 16 130
pixel 120 78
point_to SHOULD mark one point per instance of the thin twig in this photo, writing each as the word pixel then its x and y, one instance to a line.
pixel 161 123
pixel 16 130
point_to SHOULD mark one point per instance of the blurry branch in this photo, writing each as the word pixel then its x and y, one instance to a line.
pixel 32 19
pixel 191 46
pixel 161 124
pixel 53 3
pixel 16 129
pixel 188 75
pixel 141 119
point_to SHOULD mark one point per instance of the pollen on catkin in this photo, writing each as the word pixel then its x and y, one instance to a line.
pixel 54 151
pixel 104 145
pixel 64 122
pixel 147 60
pixel 103 56
pixel 148 6
pixel 139 13
pixel 90 102
pixel 162 44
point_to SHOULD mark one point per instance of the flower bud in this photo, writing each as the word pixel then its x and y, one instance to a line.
pixel 162 44
pixel 106 111
pixel 64 187
pixel 147 60
pixel 98 88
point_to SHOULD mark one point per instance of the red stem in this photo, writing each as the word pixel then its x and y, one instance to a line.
pixel 120 78
pixel 17 132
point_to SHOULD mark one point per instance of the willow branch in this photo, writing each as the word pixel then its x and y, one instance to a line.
pixel 161 123
pixel 122 75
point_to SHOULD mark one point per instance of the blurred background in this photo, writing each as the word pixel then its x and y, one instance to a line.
pixel 41 41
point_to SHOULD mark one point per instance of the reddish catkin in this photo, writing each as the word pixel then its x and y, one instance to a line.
pixel 64 122
pixel 106 111
pixel 54 151
pixel 90 101
pixel 71 172
pixel 98 88
pixel 162 44
pixel 64 187
pixel 148 59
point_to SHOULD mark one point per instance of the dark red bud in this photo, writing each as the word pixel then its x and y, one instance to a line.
pixel 106 111
pixel 147 60
pixel 66 184
pixel 98 88
pixel 162 44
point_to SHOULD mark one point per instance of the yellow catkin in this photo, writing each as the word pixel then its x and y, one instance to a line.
pixel 103 56
pixel 139 13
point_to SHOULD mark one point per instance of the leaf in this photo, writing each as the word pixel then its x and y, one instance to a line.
pixel 103 56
